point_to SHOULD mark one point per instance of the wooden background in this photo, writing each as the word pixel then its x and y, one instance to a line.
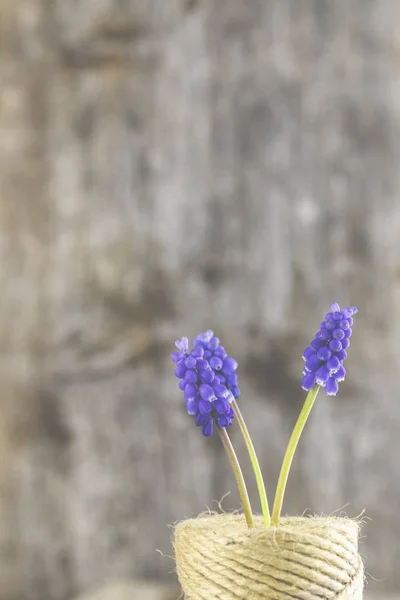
pixel 166 167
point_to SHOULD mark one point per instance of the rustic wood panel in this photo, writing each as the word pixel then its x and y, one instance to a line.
pixel 166 167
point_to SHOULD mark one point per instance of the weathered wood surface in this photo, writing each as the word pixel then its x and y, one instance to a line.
pixel 166 167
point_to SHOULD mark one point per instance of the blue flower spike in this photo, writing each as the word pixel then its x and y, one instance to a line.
pixel 323 367
pixel 210 387
pixel 325 355
pixel 208 380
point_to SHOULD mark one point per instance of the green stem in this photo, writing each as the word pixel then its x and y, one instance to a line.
pixel 290 450
pixel 238 475
pixel 255 464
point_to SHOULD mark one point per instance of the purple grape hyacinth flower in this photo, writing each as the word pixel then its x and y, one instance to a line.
pixel 208 380
pixel 325 355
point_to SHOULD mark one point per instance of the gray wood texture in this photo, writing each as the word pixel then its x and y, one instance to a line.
pixel 166 167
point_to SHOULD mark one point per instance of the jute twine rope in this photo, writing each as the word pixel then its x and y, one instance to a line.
pixel 303 559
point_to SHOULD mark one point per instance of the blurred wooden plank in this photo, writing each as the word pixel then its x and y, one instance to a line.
pixel 166 167
pixel 135 590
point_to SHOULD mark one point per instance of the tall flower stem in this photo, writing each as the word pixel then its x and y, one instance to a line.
pixel 238 475
pixel 255 464
pixel 290 451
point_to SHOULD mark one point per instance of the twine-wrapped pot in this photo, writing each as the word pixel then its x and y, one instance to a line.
pixel 219 558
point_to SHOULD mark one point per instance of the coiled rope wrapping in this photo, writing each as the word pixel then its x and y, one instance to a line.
pixel 317 558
